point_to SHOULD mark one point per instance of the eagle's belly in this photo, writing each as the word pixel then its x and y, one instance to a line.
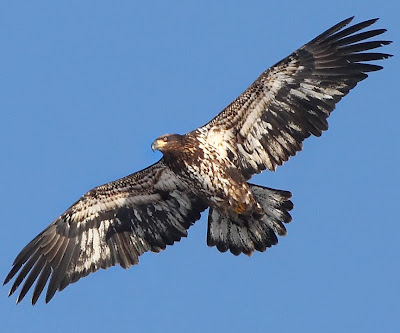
pixel 221 184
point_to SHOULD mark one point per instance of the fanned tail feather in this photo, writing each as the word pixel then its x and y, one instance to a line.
pixel 246 234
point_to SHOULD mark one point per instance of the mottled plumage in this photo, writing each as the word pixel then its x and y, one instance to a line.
pixel 210 167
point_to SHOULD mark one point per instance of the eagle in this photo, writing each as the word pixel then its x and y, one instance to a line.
pixel 209 167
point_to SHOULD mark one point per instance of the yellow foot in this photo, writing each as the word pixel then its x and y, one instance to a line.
pixel 240 208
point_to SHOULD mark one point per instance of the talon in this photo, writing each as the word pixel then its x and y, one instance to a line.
pixel 240 208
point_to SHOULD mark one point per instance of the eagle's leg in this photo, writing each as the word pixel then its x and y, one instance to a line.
pixel 240 209
pixel 246 233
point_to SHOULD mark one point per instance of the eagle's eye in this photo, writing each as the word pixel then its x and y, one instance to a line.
pixel 165 139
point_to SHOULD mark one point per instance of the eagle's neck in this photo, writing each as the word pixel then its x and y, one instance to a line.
pixel 186 153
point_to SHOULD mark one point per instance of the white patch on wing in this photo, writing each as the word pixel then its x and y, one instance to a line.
pixel 251 118
pixel 96 255
pixel 90 207
pixel 296 127
pixel 311 90
pixel 299 94
pixel 83 241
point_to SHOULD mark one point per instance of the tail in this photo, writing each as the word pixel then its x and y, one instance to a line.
pixel 246 234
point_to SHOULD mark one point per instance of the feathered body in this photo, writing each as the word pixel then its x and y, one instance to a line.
pixel 212 176
pixel 209 167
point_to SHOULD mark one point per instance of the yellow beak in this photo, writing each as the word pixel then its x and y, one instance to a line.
pixel 158 144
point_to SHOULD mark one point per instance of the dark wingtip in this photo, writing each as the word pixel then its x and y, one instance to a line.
pixel 13 289
pixel 372 21
pixel 49 295
pixel 348 20
pixel 19 299
pixel 9 276
pixel 369 22
pixel 345 22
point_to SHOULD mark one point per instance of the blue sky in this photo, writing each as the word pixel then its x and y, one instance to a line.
pixel 85 89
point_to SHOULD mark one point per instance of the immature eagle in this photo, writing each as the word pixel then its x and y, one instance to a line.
pixel 209 167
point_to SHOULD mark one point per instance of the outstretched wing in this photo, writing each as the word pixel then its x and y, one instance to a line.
pixel 111 224
pixel 291 100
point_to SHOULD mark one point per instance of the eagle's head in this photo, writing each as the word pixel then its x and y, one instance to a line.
pixel 168 143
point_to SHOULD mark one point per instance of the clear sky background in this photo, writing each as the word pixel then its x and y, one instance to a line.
pixel 86 86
